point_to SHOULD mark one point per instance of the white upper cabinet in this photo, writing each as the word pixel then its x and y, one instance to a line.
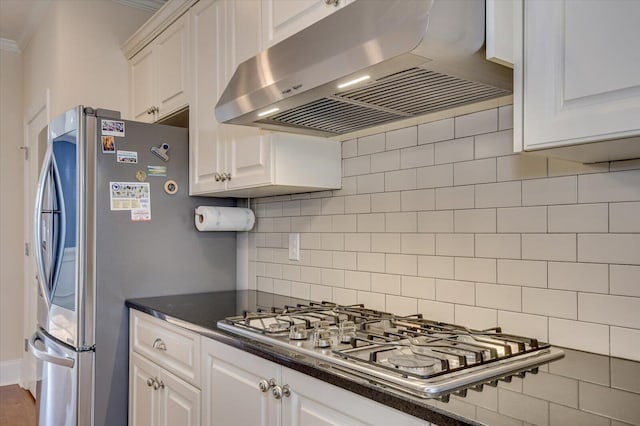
pixel 578 79
pixel 283 18
pixel 239 161
pixel 499 31
pixel 158 74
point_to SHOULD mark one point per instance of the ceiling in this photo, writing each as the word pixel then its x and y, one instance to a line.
pixel 20 18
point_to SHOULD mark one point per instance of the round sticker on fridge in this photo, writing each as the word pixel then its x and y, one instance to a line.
pixel 170 187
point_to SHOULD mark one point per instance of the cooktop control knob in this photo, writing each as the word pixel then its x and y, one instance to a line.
pixel 322 335
pixel 298 332
pixel 346 331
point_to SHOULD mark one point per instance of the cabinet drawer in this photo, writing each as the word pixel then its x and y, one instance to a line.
pixel 169 346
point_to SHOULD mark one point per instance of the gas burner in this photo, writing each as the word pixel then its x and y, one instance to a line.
pixel 413 364
pixel 408 353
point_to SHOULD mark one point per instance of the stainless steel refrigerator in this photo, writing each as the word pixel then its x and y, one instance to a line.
pixel 113 220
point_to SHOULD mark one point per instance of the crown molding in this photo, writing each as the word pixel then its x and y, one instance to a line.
pixel 147 5
pixel 9 45
pixel 160 20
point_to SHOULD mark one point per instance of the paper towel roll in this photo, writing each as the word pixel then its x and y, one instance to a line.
pixel 210 218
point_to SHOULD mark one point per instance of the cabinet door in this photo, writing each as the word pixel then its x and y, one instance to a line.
pixel 582 71
pixel 313 402
pixel 143 406
pixel 142 85
pixel 171 67
pixel 230 392
pixel 207 139
pixel 283 18
pixel 179 402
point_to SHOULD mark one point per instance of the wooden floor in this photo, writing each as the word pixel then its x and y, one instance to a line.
pixel 17 407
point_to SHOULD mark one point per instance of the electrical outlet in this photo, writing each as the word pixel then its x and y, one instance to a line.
pixel 294 246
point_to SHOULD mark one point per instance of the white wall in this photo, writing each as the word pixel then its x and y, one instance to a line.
pixel 11 204
pixel 443 219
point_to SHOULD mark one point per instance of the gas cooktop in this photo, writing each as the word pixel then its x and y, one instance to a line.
pixel 425 358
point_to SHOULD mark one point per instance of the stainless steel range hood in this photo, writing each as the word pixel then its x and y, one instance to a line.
pixel 412 56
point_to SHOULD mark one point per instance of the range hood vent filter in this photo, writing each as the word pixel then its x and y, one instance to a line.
pixel 406 94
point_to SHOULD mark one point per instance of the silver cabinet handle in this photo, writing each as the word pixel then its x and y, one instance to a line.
pixel 152 110
pixel 159 345
pixel 333 3
pixel 265 385
pixel 217 177
pixel 150 381
pixel 279 392
pixel 157 384
pixel 228 176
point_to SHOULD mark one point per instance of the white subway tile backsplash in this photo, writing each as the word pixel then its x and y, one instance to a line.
pixel 625 343
pixel 455 245
pixel 371 262
pixel 357 280
pixel 561 247
pixel 475 269
pixel 583 336
pixel 503 297
pixel 436 131
pixel 505 117
pixel 609 248
pixel 504 194
pixel 385 283
pixel 400 180
pixel 476 171
pixel 455 291
pixel 435 176
pixel 418 244
pixel 551 303
pixel 609 402
pixel 357 242
pixel 373 222
pixel 417 200
pixel 372 300
pixel 418 287
pixel 609 187
pixel 436 221
pixel 624 217
pixel 589 277
pixel 385 202
pixel 521 166
pixel 552 387
pixel 579 218
pixel 401 222
pixel 385 243
pixel 402 138
pixel 404 264
pixel 385 161
pixel 367 184
pixel 371 144
pixel 494 144
pixel 624 280
pixel 476 123
pixel 357 203
pixel 522 219
pixel 475 318
pixel 614 310
pixel 522 407
pixel 505 246
pixel 464 231
pixel 356 166
pixel 453 151
pixel 435 266
pixel 458 197
pixel 437 311
pixel 524 324
pixel 526 273
pixel 417 156
pixel 479 220
pixel 559 190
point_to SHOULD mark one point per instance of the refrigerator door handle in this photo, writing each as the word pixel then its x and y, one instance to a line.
pixel 62 229
pixel 45 356
pixel 38 246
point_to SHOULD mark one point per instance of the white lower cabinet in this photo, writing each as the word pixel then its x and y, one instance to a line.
pixel 159 398
pixel 244 390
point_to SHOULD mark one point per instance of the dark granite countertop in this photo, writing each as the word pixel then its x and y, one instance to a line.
pixel 582 388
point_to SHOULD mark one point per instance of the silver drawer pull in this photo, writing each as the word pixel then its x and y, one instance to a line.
pixel 158 384
pixel 150 381
pixel 265 385
pixel 279 392
pixel 159 345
